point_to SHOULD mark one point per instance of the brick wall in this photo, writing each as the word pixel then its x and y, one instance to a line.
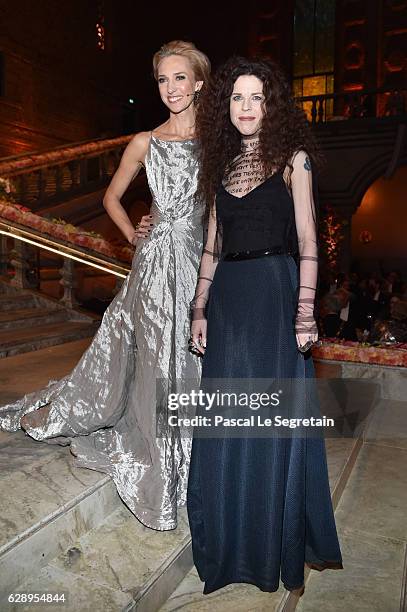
pixel 58 86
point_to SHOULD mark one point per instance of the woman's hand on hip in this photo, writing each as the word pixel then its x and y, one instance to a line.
pixel 142 229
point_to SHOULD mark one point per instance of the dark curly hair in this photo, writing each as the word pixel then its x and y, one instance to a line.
pixel 284 128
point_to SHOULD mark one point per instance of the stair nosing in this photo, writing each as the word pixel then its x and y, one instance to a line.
pixel 19 538
pixel 184 547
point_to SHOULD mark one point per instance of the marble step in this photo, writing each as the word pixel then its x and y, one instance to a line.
pixel 10 301
pixel 29 317
pixel 13 298
pixel 341 456
pixel 16 341
pixel 117 567
pixel 32 371
pixel 46 504
pixel 65 530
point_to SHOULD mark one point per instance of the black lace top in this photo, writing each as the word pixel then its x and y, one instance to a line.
pixel 252 214
pixel 263 218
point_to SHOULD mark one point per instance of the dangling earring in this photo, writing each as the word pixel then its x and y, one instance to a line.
pixel 196 96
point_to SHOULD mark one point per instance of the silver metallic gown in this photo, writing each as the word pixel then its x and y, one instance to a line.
pixel 106 408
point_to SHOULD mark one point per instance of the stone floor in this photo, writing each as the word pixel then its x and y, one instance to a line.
pixel 28 372
pixel 39 468
pixel 372 523
pixel 233 598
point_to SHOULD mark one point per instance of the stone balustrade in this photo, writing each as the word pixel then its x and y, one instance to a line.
pixel 356 104
pixel 43 179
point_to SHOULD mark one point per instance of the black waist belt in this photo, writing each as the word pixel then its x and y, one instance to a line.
pixel 239 255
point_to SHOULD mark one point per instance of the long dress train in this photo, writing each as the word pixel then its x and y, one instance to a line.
pixel 106 407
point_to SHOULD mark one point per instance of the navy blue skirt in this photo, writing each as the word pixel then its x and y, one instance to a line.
pixel 258 508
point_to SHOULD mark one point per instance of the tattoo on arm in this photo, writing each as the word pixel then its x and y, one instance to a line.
pixel 307 164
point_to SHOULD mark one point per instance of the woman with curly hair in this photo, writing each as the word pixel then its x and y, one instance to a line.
pixel 259 507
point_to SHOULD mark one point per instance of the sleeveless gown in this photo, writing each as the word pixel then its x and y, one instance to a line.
pixel 259 508
pixel 106 407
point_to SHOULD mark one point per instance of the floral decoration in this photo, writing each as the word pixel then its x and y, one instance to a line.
pixel 60 230
pixel 360 352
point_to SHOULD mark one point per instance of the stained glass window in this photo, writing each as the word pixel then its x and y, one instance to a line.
pixel 324 36
pixel 314 48
pixel 304 37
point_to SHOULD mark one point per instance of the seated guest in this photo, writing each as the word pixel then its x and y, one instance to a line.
pixel 379 304
pixel 393 282
pixel 348 316
pixel 330 308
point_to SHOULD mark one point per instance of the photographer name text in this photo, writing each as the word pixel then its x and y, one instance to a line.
pixel 254 420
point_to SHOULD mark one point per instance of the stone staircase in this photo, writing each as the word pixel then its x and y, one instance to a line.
pixel 64 530
pixel 72 535
pixel 29 321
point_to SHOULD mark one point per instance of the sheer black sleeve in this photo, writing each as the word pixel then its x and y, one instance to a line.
pixel 209 261
pixel 305 220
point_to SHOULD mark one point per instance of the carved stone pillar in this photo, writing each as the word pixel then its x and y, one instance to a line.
pixel 69 283
pixel 20 261
pixel 4 256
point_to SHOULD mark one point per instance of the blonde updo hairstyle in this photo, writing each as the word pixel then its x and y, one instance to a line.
pixel 199 62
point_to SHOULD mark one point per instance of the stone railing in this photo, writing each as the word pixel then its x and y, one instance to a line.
pixel 358 104
pixel 20 261
pixel 43 179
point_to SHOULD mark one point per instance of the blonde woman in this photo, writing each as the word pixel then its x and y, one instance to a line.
pixel 106 409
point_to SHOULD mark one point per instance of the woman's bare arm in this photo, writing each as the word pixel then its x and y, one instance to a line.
pixel 131 163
